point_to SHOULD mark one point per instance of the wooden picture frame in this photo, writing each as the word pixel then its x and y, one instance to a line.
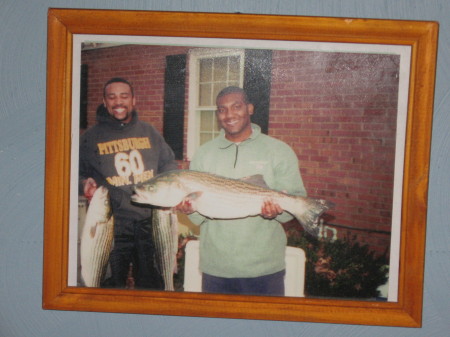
pixel 419 36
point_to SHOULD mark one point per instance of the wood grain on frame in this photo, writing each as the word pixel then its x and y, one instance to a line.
pixel 421 36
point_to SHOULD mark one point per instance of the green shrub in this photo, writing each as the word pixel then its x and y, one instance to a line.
pixel 340 268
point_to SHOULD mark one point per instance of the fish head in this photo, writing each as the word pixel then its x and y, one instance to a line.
pixel 164 190
pixel 100 205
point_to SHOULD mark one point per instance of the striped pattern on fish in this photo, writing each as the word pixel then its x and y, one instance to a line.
pixel 96 238
pixel 165 237
pixel 218 197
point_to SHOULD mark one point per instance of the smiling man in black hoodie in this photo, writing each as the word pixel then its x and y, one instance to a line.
pixel 119 152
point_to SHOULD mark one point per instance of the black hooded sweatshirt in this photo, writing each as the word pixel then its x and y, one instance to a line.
pixel 119 155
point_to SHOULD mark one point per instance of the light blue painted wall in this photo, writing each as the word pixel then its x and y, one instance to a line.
pixel 22 122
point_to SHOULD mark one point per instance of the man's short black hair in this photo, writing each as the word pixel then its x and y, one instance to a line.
pixel 117 80
pixel 233 90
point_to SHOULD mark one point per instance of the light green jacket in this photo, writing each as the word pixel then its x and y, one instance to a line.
pixel 252 246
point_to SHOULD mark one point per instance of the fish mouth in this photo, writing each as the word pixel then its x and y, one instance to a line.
pixel 138 196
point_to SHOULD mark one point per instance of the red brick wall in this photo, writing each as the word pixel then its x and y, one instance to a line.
pixel 337 111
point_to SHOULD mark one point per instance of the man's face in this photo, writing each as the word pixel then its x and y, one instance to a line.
pixel 119 101
pixel 233 114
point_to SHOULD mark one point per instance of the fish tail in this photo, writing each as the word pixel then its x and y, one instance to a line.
pixel 165 237
pixel 310 218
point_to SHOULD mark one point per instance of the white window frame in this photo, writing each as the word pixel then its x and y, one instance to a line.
pixel 193 122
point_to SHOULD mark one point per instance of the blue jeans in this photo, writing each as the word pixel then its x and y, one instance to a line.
pixel 272 285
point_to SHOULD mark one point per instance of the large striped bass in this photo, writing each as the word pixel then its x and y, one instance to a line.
pixel 218 197
pixel 96 238
pixel 165 237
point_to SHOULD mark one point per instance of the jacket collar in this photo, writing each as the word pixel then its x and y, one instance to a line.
pixel 225 143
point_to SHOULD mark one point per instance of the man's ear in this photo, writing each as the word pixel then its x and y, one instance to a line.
pixel 251 108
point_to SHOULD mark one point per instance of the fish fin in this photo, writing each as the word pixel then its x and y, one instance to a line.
pixel 194 195
pixel 257 179
pixel 310 218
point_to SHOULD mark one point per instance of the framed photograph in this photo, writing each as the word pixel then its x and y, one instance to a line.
pixel 352 97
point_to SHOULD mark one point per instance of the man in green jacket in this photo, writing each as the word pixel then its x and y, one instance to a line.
pixel 245 256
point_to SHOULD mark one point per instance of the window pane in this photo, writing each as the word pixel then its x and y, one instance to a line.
pixel 204 98
pixel 209 127
pixel 206 121
pixel 234 72
pixel 220 69
pixel 206 70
